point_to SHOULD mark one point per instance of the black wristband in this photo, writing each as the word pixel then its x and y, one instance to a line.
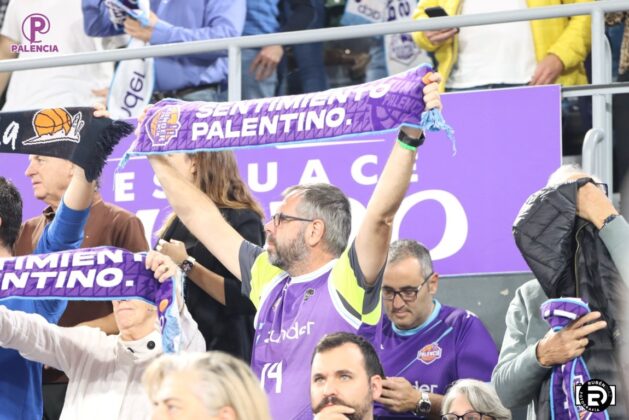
pixel 411 141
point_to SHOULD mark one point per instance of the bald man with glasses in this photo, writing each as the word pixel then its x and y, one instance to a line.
pixel 424 345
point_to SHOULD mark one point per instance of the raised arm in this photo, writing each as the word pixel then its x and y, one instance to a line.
pixel 38 340
pixel 80 192
pixel 226 290
pixel 615 236
pixel 374 236
pixel 199 214
pixel 594 206
pixel 66 229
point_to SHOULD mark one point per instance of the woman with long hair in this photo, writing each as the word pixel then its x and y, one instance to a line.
pixel 204 386
pixel 211 292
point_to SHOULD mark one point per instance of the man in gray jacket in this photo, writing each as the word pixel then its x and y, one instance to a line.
pixel 530 349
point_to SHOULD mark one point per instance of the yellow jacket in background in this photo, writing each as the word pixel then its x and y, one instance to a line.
pixel 569 38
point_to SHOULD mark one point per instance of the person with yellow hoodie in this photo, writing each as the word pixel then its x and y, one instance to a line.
pixel 538 52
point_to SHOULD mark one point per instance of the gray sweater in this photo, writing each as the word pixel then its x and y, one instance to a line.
pixel 615 236
pixel 518 374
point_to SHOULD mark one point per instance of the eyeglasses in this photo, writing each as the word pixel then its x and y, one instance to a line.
pixel 470 415
pixel 278 218
pixel 408 294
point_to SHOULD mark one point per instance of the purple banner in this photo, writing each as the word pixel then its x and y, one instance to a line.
pixel 461 207
pixel 371 107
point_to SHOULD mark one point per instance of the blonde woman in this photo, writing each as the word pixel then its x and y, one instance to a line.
pixel 204 386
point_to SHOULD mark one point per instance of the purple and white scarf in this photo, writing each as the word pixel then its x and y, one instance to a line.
pixel 565 378
pixel 103 273
pixel 379 106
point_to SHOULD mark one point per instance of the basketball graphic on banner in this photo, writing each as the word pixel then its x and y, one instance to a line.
pixel 53 125
pixel 52 120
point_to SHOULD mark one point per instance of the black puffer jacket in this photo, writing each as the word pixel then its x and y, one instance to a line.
pixel 569 259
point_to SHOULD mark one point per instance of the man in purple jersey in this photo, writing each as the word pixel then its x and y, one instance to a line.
pixel 346 377
pixel 424 345
pixel 310 280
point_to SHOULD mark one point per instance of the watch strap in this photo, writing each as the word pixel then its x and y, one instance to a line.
pixel 609 219
pixel 187 264
pixel 423 405
pixel 412 142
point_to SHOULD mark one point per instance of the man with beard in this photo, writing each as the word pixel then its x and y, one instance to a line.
pixel 346 378
pixel 308 281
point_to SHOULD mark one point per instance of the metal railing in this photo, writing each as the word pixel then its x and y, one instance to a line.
pixel 599 159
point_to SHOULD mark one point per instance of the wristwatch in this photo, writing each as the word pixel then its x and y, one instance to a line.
pixel 608 220
pixel 187 264
pixel 423 405
pixel 411 141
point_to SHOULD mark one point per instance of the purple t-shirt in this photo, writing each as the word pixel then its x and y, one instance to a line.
pixel 451 344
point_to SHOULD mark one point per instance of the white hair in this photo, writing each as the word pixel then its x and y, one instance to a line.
pixel 481 396
pixel 567 173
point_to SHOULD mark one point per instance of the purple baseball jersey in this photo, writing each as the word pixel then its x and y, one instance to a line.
pixel 451 344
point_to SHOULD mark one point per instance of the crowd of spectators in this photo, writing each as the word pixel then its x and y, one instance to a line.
pixel 546 52
pixel 374 341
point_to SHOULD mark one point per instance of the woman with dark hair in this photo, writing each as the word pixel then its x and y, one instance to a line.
pixel 211 292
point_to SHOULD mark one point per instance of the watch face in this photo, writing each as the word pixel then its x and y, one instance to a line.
pixel 424 406
pixel 186 266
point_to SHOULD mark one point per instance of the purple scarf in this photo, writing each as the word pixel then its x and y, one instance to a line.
pixel 103 273
pixel 563 402
pixel 382 105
